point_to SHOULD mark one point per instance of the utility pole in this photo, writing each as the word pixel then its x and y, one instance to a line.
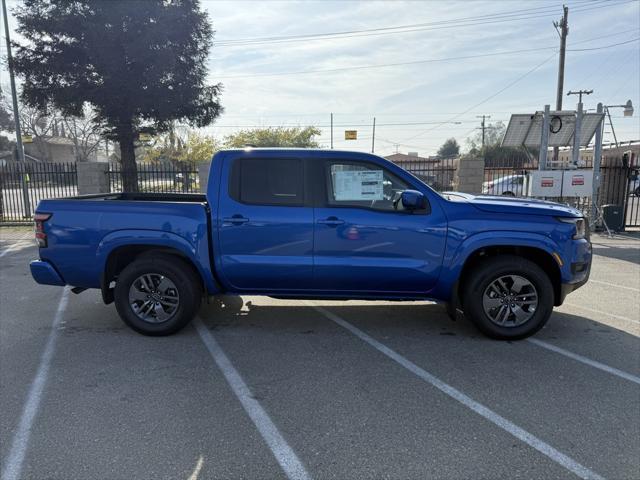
pixel 16 116
pixel 373 139
pixel 563 32
pixel 331 128
pixel 580 93
pixel 483 126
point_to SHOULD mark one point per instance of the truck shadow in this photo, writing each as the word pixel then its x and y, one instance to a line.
pixel 418 321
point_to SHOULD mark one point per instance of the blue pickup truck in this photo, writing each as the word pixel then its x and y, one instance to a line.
pixel 315 224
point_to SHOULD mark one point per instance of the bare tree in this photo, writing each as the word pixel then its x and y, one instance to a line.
pixel 85 134
pixel 40 125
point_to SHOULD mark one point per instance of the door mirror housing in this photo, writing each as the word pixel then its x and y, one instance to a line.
pixel 413 200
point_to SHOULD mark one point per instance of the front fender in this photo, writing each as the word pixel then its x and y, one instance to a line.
pixel 455 260
pixel 196 252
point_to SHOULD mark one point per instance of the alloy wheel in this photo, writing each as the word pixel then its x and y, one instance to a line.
pixel 154 298
pixel 510 300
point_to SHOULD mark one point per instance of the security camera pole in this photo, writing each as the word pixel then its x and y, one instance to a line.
pixel 16 116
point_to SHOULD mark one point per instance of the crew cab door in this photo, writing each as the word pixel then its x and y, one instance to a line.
pixel 265 224
pixel 365 244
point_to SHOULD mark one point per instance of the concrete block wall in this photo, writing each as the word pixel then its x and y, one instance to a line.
pixel 203 174
pixel 470 175
pixel 92 178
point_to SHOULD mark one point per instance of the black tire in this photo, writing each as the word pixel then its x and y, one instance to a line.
pixel 488 271
pixel 183 277
pixel 636 192
pixel 508 194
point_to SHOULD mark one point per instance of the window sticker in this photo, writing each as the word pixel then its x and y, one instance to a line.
pixel 358 185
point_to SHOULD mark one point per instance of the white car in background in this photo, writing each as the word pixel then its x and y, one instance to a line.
pixel 510 185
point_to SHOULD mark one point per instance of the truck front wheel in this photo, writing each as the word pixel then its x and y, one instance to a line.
pixel 157 295
pixel 508 297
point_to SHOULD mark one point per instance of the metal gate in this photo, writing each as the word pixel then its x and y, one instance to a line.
pixel 619 185
pixel 23 185
pixel 179 177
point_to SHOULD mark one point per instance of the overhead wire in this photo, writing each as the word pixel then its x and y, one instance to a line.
pixel 547 11
pixel 418 62
pixel 506 87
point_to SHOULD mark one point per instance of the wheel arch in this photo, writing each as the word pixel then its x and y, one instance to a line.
pixel 537 255
pixel 118 251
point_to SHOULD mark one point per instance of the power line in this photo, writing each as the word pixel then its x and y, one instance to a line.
pixel 450 23
pixel 600 48
pixel 285 125
pixel 509 85
pixel 502 90
pixel 414 62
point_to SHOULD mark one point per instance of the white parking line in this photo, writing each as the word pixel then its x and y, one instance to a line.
pixel 585 360
pixel 613 285
pixel 600 312
pixel 15 248
pixel 508 426
pixel 13 463
pixel 284 454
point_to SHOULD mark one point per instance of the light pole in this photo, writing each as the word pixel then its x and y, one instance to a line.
pixel 628 112
pixel 16 116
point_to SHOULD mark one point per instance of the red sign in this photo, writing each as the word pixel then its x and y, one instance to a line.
pixel 546 182
pixel 577 180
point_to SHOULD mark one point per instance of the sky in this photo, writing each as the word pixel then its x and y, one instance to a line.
pixel 424 69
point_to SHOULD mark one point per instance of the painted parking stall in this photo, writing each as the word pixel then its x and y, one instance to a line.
pixel 286 391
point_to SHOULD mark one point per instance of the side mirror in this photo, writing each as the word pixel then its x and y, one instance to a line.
pixel 413 200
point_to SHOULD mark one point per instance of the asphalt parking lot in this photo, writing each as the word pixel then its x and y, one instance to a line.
pixel 291 389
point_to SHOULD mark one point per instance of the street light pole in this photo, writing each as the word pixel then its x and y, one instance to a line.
pixel 628 112
pixel 16 116
pixel 373 138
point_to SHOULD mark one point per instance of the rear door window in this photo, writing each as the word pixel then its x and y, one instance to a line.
pixel 263 181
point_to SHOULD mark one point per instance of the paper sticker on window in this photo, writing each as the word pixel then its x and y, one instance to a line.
pixel 358 185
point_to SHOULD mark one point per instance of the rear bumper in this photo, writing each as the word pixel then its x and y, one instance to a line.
pixel 43 272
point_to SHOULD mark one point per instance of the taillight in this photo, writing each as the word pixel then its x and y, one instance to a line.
pixel 41 236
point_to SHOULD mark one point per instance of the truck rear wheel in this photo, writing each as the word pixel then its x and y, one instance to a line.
pixel 508 297
pixel 157 295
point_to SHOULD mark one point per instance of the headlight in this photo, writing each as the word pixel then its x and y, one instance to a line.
pixel 582 228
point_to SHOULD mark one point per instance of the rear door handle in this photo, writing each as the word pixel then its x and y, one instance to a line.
pixel 236 219
pixel 331 221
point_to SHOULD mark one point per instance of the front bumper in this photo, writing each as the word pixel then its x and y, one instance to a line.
pixel 577 272
pixel 567 288
pixel 43 272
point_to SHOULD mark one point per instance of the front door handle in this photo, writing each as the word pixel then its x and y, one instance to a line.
pixel 331 221
pixel 236 219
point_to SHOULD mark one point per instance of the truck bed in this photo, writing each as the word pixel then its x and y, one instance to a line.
pixel 82 231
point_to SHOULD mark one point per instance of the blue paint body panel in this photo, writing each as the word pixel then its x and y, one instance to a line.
pixel 309 250
pixel 44 273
